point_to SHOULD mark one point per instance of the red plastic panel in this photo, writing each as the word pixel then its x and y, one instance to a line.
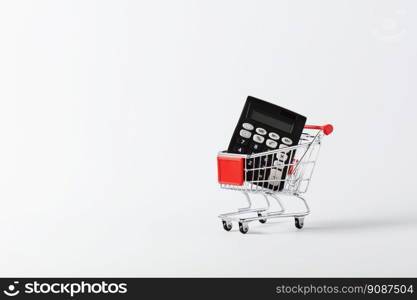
pixel 230 170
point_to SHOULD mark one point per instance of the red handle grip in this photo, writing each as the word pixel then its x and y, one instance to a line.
pixel 327 129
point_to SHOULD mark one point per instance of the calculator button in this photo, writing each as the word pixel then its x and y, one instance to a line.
pixel 242 141
pixel 248 126
pixel 274 177
pixel 260 131
pixel 278 163
pixel 258 138
pixel 256 147
pixel 271 143
pixel 282 146
pixel 273 135
pixel 286 140
pixel 244 133
pixel 239 149
pixel 282 156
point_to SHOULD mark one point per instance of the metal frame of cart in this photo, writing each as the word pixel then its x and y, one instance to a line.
pixel 234 174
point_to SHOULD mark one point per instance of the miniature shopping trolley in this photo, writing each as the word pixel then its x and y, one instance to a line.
pixel 258 173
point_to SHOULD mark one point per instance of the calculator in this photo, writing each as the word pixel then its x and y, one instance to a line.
pixel 264 126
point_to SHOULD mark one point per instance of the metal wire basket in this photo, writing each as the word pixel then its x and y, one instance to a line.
pixel 285 171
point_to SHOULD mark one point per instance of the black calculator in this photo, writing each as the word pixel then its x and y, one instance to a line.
pixel 264 126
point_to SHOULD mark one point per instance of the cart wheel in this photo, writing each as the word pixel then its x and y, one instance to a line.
pixel 227 225
pixel 299 222
pixel 263 221
pixel 243 227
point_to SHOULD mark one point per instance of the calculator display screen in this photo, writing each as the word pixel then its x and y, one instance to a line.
pixel 282 123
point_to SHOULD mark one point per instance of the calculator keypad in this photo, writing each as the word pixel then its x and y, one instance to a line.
pixel 254 139
pixel 262 140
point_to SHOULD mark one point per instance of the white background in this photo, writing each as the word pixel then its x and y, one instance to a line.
pixel 112 113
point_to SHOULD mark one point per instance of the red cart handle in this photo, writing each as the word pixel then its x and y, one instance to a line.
pixel 327 129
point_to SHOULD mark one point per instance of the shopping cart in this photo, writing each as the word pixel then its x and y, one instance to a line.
pixel 257 173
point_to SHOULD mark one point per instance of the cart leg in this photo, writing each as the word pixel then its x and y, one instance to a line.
pixel 279 203
pixel 307 211
pixel 248 209
pixel 249 202
pixel 268 205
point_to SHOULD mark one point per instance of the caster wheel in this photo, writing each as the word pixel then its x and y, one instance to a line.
pixel 243 227
pixel 299 222
pixel 263 221
pixel 227 225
